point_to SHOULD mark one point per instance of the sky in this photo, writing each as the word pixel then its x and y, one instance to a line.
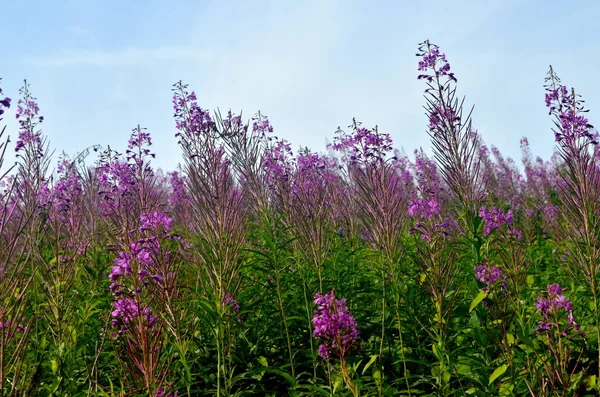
pixel 100 68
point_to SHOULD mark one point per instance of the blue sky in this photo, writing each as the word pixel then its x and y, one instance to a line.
pixel 100 68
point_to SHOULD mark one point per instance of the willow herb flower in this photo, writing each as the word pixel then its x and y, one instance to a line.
pixel 278 163
pixel 231 304
pixel 126 311
pixel 567 109
pixel 30 136
pixel 334 325
pixel 552 307
pixel 363 145
pixel 424 209
pixel 494 218
pixel 436 62
pixel 489 275
pixel 4 103
pixel 455 142
pixel 157 221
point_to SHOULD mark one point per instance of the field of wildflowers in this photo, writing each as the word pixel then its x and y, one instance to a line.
pixel 253 270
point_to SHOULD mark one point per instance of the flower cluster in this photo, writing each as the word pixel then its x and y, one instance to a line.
pixel 191 119
pixel 312 178
pixel 423 209
pixel 126 311
pixel 489 275
pixel 234 125
pixel 116 180
pixel 431 59
pixel 162 392
pixel 567 109
pixel 10 328
pixel 59 198
pixel 158 222
pixel 334 325
pixel 4 103
pixel 27 115
pixel 552 307
pixel 278 162
pixel 493 218
pixel 442 117
pixel 122 267
pixel 145 259
pixel 8 203
pixel 138 147
pixel 363 145
pixel 426 175
pixel 179 196
pixel 262 126
pixel 231 304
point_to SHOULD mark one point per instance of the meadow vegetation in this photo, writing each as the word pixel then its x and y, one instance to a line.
pixel 254 270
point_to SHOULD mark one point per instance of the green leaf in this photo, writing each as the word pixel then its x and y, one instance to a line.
pixel 590 383
pixel 530 280
pixel 506 389
pixel 463 369
pixel 371 361
pixel 263 361
pixel 510 339
pixel 498 372
pixel 481 296
pixel 436 352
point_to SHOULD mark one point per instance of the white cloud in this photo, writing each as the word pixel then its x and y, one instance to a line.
pixel 121 57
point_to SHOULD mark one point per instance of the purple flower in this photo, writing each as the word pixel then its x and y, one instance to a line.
pixel 138 147
pixel 4 103
pixel 489 275
pixel 493 218
pixel 157 221
pixel 432 60
pixel 278 163
pixel 552 307
pixel 423 209
pixel 162 392
pixel 334 325
pixel 323 351
pixel 30 137
pixel 544 326
pixel 567 110
pixel 364 145
pixel 125 311
pixel 550 211
pixel 262 126
pixel 191 119
pixel 179 196
pixel 231 304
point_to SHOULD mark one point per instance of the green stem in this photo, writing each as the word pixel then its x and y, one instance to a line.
pixel 219 358
pixel 312 346
pixel 380 380
pixel 347 378
pixel 402 346
pixel 285 325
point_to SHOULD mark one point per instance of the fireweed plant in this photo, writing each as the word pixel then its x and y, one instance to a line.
pixel 558 366
pixel 15 280
pixel 337 332
pixel 455 146
pixel 579 187
pixel 218 213
pixel 465 273
pixel 380 186
pixel 144 286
